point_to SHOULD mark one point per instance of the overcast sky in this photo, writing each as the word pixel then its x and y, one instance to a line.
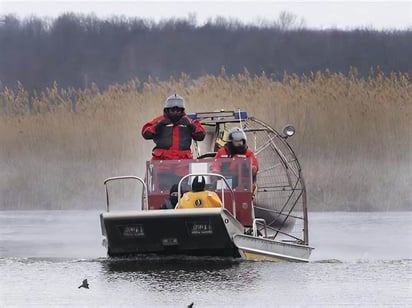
pixel 316 14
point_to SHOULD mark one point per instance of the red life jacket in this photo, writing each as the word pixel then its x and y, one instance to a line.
pixel 174 140
pixel 224 152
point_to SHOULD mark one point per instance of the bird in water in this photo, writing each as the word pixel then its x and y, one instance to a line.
pixel 190 305
pixel 84 284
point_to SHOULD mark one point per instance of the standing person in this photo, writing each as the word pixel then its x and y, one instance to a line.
pixel 236 146
pixel 173 131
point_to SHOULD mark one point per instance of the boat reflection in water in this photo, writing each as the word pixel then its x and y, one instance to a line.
pixel 155 264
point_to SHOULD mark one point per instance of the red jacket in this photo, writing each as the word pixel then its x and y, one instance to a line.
pixel 173 141
pixel 224 152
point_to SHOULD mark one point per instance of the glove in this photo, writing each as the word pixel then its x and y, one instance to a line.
pixel 186 121
pixel 161 124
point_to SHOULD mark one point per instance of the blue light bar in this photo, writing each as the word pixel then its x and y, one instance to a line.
pixel 237 115
pixel 240 115
pixel 192 116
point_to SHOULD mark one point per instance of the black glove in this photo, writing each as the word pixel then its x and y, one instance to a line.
pixel 186 121
pixel 161 124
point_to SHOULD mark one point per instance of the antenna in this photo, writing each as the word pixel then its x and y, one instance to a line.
pixel 240 119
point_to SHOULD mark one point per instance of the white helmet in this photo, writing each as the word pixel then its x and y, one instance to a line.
pixel 174 101
pixel 237 134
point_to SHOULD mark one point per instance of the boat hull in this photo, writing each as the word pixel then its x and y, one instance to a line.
pixel 267 249
pixel 198 232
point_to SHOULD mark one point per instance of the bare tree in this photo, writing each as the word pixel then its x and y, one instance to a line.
pixel 76 50
pixel 290 21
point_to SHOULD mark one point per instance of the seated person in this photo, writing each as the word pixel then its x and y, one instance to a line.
pixel 199 197
pixel 236 146
pixel 171 202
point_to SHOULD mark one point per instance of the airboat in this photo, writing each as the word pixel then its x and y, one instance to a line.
pixel 266 221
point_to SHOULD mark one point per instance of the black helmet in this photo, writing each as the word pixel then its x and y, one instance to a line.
pixel 198 184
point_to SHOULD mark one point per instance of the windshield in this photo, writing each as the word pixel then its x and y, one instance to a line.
pixel 161 175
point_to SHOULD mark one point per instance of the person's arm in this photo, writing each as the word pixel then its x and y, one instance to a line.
pixel 150 129
pixel 219 153
pixel 199 132
pixel 255 163
pixel 215 167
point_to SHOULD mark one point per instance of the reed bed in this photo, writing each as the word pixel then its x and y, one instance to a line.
pixel 354 135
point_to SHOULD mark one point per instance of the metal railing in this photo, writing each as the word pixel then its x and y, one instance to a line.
pixel 255 228
pixel 179 190
pixel 144 204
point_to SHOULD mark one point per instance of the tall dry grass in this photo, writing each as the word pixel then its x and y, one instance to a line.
pixel 353 135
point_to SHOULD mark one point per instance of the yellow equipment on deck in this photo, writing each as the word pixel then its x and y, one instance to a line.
pixel 201 199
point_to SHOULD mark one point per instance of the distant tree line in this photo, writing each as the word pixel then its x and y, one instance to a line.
pixel 76 50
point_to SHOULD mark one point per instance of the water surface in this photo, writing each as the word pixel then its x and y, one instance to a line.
pixel 360 259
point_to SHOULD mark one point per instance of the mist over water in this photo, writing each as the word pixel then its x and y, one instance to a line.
pixel 352 137
pixel 347 187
